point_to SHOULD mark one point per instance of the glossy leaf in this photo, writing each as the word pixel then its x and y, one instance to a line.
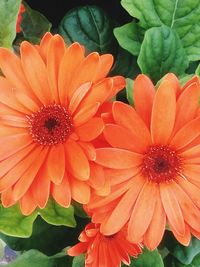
pixel 129 91
pixel 13 223
pixel 90 26
pixel 162 52
pixel 79 261
pixel 8 20
pixel 57 215
pixel 34 24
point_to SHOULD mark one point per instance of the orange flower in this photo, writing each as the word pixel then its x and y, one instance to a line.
pixel 153 164
pixel 106 251
pixel 19 18
pixel 48 103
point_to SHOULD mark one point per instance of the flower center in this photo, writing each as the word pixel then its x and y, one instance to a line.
pixel 50 125
pixel 161 164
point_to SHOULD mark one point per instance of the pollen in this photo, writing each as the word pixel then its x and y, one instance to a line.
pixel 161 164
pixel 50 125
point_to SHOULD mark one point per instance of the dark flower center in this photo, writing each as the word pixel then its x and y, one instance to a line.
pixel 161 164
pixel 50 125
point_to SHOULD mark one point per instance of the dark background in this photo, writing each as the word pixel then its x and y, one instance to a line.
pixel 55 10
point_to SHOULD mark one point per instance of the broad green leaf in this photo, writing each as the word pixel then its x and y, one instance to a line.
pixel 78 210
pixel 161 52
pixel 34 258
pixel 147 259
pixel 184 254
pixel 180 15
pixel 125 64
pixel 128 37
pixel 34 25
pixel 8 20
pixel 48 239
pixel 57 215
pixel 90 26
pixel 197 71
pixel 79 261
pixel 13 223
pixel 129 91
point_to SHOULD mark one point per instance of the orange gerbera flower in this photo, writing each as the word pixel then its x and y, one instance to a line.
pixel 48 103
pixel 106 251
pixel 153 164
pixel 19 18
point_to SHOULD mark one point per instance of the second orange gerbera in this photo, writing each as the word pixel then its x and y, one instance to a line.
pixel 49 98
pixel 153 164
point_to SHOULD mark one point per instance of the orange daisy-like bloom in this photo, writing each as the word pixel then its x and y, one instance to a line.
pixel 19 18
pixel 105 251
pixel 153 163
pixel 49 98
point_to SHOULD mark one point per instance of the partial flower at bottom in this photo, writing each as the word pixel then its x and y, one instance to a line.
pixel 49 98
pixel 105 251
pixel 153 163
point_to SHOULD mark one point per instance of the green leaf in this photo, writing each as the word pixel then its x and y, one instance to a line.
pixel 180 15
pixel 90 26
pixel 184 254
pixel 57 215
pixel 8 20
pixel 48 239
pixel 129 91
pixel 161 52
pixel 197 71
pixel 79 261
pixel 128 37
pixel 147 259
pixel 78 210
pixel 34 25
pixel 125 64
pixel 13 223
pixel 35 258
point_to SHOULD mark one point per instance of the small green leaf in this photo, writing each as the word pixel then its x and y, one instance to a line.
pixel 34 258
pixel 147 259
pixel 184 254
pixel 34 25
pixel 197 71
pixel 161 52
pixel 90 26
pixel 128 37
pixel 13 223
pixel 8 20
pixel 79 261
pixel 57 215
pixel 129 91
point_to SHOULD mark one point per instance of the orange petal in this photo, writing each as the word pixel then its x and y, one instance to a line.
pixel 77 162
pixel 56 50
pixel 190 212
pixel 14 121
pixel 185 239
pixel 127 117
pixel 56 163
pixel 195 79
pixel 156 229
pixel 119 176
pixel 7 198
pixel 36 72
pixel 73 57
pixel 117 158
pixel 186 134
pixel 78 95
pixel 62 193
pixel 90 130
pixel 41 181
pixel 27 204
pixel 190 153
pixel 104 66
pixel 12 144
pixel 88 149
pixel 123 210
pixel 120 137
pixel 26 179
pixel 85 114
pixel 44 43
pixel 104 190
pixel 172 208
pixel 118 84
pixel 86 71
pixel 163 113
pixel 97 178
pixel 77 249
pixel 171 77
pixel 142 212
pixel 185 112
pixel 26 101
pixel 144 92
pixel 80 191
